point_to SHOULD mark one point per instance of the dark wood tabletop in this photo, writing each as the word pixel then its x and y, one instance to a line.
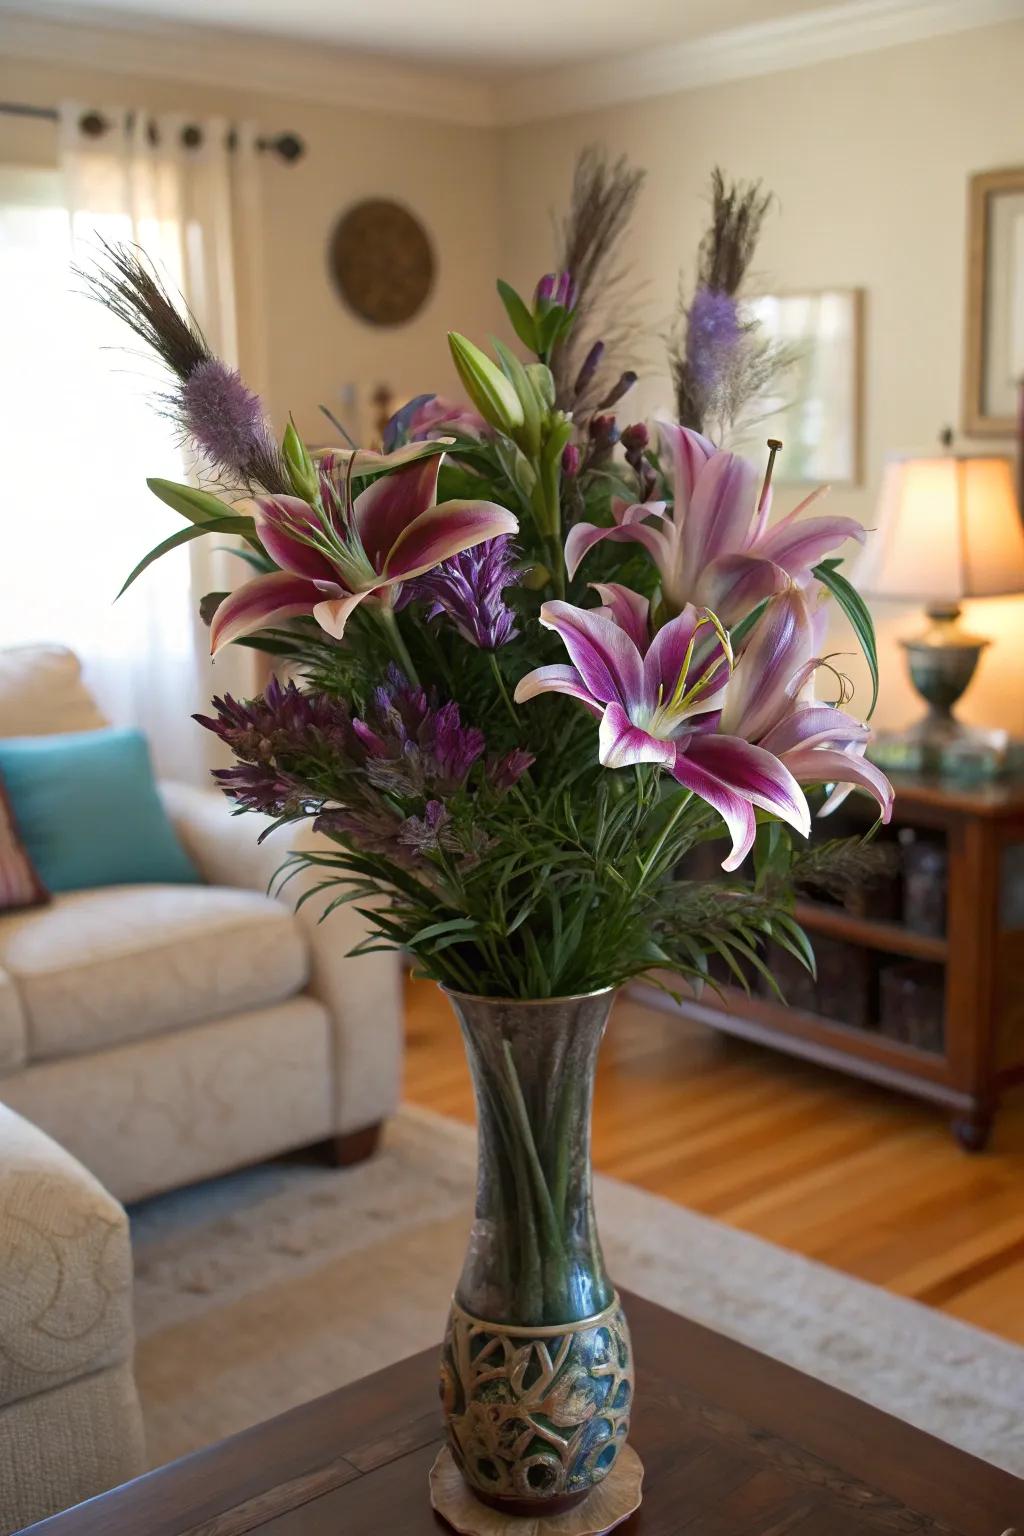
pixel 734 1444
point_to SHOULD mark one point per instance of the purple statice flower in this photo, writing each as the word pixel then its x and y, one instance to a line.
pixel 431 831
pixel 283 719
pixel 713 332
pixel 503 772
pixel 415 747
pixel 468 589
pixel 223 417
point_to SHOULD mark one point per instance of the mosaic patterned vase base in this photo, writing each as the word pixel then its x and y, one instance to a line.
pixel 537 1418
pixel 605 1507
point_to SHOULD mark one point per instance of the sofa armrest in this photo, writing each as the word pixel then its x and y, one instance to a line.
pixel 362 995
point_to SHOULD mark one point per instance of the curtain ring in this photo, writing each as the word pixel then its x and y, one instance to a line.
pixel 191 136
pixel 93 124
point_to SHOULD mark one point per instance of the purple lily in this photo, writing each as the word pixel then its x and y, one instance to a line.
pixel 765 703
pixel 660 701
pixel 716 549
pixel 340 552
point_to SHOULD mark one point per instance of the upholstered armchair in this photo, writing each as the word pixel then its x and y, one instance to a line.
pixel 165 1033
pixel 70 1424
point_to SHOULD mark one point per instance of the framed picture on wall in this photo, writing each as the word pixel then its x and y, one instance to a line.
pixel 994 341
pixel 816 410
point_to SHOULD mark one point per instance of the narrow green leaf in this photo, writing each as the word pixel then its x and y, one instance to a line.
pixel 518 314
pixel 859 615
pixel 240 525
pixel 452 925
pixel 198 506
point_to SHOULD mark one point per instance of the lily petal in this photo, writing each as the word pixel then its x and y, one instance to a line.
pixel 687 452
pixel 797 544
pixel 603 654
pixel 735 811
pixel 443 531
pixel 621 743
pixel 583 536
pixel 332 614
pixel 265 600
pixel 815 725
pixel 278 521
pixel 770 670
pixel 334 462
pixel 557 679
pixel 821 765
pixel 733 585
pixel 721 508
pixel 385 509
pixel 754 773
pixel 626 608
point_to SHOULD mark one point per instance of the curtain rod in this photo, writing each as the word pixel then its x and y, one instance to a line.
pixel 287 146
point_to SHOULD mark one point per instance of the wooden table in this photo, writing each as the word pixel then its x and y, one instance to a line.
pixel 734 1445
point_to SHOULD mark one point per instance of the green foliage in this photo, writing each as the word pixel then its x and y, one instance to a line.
pixel 859 615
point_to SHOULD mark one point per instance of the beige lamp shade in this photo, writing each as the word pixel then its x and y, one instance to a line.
pixel 948 528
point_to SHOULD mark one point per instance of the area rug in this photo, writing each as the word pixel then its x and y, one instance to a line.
pixel 263 1289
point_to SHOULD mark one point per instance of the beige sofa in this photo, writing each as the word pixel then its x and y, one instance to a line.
pixel 166 1033
pixel 70 1424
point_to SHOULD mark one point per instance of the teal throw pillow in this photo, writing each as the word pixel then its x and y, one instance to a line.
pixel 88 811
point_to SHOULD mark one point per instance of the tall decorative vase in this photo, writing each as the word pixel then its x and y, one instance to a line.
pixel 537 1371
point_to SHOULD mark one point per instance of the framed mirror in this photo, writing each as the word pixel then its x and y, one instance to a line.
pixel 994 339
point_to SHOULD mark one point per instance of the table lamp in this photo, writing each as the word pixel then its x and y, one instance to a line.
pixel 949 527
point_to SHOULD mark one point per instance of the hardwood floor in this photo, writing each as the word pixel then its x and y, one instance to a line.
pixel 862 1179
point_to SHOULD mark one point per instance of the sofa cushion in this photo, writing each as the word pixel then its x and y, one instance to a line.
pixel 65 1266
pixel 96 968
pixel 42 693
pixel 12 1025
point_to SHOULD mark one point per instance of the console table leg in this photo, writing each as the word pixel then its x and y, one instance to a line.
pixel 973 1128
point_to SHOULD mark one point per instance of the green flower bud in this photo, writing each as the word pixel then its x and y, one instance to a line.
pixel 301 469
pixel 487 387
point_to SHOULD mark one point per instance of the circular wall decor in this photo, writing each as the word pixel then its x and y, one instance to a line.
pixel 381 261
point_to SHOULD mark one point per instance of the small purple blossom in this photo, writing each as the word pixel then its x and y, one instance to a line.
pixel 223 416
pixel 505 771
pixel 571 460
pixel 713 333
pixel 591 363
pixel 556 288
pixel 468 590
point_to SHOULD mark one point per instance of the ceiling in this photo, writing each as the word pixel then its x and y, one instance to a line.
pixel 496 36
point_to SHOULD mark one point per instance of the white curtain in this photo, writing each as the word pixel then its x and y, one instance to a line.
pixel 77 397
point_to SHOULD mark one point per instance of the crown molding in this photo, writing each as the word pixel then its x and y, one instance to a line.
pixel 135 45
pixel 792 42
pixel 168 50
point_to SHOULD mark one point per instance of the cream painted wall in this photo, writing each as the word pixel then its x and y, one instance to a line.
pixel 315 346
pixel 869 157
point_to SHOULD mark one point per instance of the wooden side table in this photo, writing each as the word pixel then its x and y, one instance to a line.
pixel 977 964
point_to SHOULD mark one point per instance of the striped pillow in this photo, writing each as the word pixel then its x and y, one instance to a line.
pixel 20 885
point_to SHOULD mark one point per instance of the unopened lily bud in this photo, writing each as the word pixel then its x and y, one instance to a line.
pixel 490 391
pixel 635 438
pixel 615 394
pixel 604 431
pixel 591 363
pixel 301 469
pixel 565 292
pixel 570 461
pixel 544 292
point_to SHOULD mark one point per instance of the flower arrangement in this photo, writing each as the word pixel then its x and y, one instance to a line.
pixel 540 654
pixel 535 653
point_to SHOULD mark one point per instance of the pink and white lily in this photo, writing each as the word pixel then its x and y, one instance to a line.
pixel 660 701
pixel 715 548
pixel 766 703
pixel 340 552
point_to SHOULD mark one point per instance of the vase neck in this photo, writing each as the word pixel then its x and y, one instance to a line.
pixel 534 1255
